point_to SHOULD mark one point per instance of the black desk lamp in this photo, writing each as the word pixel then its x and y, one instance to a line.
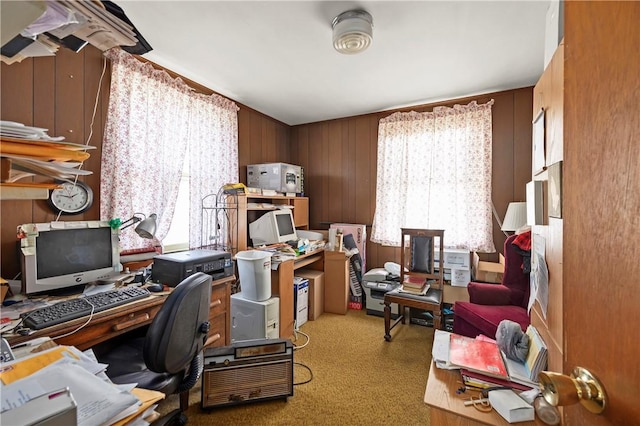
pixel 146 227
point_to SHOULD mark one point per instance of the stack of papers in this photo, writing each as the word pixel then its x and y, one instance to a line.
pixel 481 357
pixel 98 400
pixel 28 151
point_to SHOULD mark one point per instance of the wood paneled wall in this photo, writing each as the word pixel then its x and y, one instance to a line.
pixel 59 93
pixel 340 156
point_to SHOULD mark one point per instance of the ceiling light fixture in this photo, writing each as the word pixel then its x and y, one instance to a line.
pixel 352 31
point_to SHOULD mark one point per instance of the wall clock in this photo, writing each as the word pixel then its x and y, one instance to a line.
pixel 71 198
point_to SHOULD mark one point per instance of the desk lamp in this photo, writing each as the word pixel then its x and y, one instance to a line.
pixel 146 227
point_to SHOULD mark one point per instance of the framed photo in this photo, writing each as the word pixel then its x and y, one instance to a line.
pixel 555 190
pixel 538 143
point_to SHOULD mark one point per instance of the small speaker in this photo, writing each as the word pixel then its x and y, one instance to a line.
pixel 245 372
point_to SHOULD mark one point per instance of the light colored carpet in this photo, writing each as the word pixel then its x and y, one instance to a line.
pixel 358 378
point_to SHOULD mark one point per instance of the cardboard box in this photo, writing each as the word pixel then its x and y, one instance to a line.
pixel 460 277
pixel 316 291
pixel 490 272
pixel 359 233
pixel 454 258
pixel 336 282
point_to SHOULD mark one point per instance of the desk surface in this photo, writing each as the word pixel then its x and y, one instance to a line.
pixel 447 408
pixel 103 326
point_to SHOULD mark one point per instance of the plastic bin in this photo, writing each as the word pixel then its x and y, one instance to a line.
pixel 254 268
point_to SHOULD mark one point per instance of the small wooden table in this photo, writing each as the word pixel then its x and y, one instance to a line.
pixel 447 408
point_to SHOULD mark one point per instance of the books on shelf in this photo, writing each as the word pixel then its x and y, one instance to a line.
pixel 477 355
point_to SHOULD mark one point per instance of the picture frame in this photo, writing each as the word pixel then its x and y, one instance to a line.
pixel 538 143
pixel 555 190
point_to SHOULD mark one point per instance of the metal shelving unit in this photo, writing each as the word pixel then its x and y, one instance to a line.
pixel 220 222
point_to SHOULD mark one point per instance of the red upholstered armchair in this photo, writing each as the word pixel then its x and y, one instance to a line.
pixel 491 303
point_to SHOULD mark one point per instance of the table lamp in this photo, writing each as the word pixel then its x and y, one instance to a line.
pixel 515 218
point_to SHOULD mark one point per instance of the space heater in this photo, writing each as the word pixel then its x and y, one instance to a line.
pixel 245 372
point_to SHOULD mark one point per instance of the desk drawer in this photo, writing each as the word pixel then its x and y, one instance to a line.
pixel 218 327
pixel 218 301
pixel 101 329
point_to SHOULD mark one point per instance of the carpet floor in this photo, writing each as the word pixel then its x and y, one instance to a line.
pixel 346 374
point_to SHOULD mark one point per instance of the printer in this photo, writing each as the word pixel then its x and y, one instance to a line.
pixel 170 269
pixel 375 283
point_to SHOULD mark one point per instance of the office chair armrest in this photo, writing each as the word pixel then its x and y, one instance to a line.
pixel 488 294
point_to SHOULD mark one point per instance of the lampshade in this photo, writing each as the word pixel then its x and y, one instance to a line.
pixel 146 227
pixel 516 216
pixel 352 31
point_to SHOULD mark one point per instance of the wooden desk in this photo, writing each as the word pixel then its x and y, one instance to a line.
pixel 335 266
pixel 282 286
pixel 447 408
pixel 108 324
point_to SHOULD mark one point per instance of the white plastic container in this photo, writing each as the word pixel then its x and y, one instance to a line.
pixel 254 268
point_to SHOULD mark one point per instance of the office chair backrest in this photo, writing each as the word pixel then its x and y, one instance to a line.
pixel 179 330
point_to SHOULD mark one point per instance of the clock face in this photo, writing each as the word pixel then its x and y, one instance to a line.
pixel 71 199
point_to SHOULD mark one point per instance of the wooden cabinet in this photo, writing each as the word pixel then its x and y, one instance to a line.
pixel 220 313
pixel 251 207
pixel 336 282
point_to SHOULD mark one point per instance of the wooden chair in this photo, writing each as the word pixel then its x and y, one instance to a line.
pixel 417 257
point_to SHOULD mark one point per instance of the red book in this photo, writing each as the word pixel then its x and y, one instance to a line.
pixel 412 281
pixel 477 355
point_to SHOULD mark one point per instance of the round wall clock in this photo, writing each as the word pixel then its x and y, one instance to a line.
pixel 70 198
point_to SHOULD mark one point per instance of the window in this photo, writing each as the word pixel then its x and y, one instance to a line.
pixel 156 126
pixel 177 238
pixel 434 171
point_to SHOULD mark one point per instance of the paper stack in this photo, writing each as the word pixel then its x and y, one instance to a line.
pixel 97 399
pixel 29 151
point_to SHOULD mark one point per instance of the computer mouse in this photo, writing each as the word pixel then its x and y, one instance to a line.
pixel 155 288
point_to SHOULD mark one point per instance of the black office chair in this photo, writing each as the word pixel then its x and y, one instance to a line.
pixel 169 357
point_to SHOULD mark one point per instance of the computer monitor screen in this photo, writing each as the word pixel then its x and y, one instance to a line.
pixel 59 255
pixel 276 226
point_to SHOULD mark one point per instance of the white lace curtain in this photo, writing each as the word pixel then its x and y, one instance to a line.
pixel 152 120
pixel 434 171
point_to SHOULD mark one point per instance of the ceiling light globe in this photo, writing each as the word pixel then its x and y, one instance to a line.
pixel 352 31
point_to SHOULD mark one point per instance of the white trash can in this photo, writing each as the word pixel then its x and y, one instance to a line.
pixel 254 268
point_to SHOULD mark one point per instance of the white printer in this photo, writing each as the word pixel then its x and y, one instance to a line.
pixel 375 283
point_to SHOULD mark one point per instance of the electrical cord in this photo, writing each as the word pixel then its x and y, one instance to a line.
pixel 295 347
pixel 310 374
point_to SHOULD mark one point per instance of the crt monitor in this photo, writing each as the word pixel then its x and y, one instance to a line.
pixel 275 226
pixel 64 254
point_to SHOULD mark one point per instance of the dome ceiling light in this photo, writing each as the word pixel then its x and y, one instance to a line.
pixel 352 31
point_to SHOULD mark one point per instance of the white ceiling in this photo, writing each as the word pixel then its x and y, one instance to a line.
pixel 277 57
